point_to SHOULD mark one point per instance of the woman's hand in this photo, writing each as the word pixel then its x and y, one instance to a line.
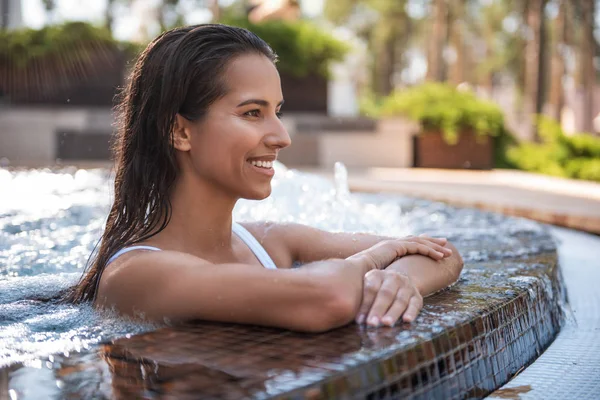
pixel 386 252
pixel 387 296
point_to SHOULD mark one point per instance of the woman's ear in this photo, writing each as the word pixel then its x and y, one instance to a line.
pixel 181 134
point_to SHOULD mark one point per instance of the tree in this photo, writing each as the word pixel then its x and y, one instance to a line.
pixel 457 32
pixel 437 41
pixel 534 63
pixel 388 34
pixel 557 66
pixel 50 6
pixel 586 62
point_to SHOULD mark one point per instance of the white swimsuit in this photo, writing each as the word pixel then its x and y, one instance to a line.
pixel 238 229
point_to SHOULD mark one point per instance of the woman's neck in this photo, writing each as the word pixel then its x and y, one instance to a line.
pixel 201 219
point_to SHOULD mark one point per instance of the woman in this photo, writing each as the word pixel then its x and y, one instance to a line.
pixel 199 129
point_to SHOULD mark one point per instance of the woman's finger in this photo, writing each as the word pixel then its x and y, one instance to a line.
pixel 419 248
pixel 437 247
pixel 414 308
pixel 371 284
pixel 442 241
pixel 385 297
pixel 382 254
pixel 398 307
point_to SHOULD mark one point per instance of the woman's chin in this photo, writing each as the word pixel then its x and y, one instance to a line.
pixel 258 193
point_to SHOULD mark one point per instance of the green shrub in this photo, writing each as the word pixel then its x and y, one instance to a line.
pixel 576 156
pixel 438 106
pixel 71 41
pixel 441 107
pixel 302 47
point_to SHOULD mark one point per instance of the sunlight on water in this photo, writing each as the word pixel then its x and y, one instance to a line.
pixel 50 222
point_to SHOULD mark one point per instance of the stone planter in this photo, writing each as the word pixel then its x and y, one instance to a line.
pixel 305 94
pixel 470 152
pixel 52 81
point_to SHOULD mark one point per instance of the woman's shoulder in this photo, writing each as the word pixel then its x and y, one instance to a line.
pixel 278 239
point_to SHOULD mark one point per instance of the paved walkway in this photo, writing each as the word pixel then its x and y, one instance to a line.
pixel 563 202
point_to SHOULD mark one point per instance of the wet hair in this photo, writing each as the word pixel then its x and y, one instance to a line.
pixel 180 72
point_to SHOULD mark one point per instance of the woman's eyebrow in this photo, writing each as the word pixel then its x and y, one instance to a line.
pixel 259 102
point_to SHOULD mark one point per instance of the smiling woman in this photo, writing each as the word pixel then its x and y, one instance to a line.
pixel 199 129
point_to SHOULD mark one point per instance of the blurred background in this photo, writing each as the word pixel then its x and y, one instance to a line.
pixel 460 84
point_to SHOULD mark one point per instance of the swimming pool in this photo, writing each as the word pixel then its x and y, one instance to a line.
pixel 50 221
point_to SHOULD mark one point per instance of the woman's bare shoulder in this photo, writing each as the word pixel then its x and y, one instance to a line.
pixel 274 237
pixel 180 286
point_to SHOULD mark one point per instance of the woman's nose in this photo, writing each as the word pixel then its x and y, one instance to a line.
pixel 278 135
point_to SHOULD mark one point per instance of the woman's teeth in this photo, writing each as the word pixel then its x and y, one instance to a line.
pixel 262 164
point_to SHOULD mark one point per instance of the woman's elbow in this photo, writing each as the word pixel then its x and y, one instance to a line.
pixel 337 311
pixel 455 261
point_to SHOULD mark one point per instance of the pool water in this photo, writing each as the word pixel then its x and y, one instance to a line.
pixel 50 221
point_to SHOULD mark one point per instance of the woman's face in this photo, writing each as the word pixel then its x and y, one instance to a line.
pixel 235 144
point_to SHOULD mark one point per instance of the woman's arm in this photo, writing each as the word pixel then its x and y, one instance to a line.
pixel 388 294
pixel 428 275
pixel 178 286
pixel 288 243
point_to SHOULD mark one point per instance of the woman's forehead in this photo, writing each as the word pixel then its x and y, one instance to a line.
pixel 253 76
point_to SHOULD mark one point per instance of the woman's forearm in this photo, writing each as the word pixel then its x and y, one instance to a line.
pixel 428 275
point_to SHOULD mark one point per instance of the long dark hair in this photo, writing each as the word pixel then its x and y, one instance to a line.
pixel 179 72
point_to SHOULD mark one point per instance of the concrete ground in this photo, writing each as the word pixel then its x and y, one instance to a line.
pixel 563 202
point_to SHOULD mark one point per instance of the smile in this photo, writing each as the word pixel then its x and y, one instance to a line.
pixel 262 164
pixel 264 168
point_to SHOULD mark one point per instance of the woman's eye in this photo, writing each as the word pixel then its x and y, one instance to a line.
pixel 279 114
pixel 253 113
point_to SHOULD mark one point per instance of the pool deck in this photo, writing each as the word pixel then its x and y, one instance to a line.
pixel 563 202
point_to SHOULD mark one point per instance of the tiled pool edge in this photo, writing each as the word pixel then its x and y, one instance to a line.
pixel 469 359
pixel 570 367
pixel 392 377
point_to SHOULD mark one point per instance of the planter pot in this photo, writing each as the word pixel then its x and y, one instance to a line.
pixel 470 152
pixel 306 94
pixel 92 81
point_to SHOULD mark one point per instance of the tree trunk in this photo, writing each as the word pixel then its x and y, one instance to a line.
pixel 558 63
pixel 215 10
pixel 534 65
pixel 385 59
pixel 4 13
pixel 109 16
pixel 435 67
pixel 588 73
pixel 457 69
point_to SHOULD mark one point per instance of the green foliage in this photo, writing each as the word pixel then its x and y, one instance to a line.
pixel 576 156
pixel 438 106
pixel 302 47
pixel 71 41
pixel 370 105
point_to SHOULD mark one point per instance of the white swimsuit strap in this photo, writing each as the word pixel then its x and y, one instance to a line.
pixel 254 245
pixel 128 249
pixel 119 253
